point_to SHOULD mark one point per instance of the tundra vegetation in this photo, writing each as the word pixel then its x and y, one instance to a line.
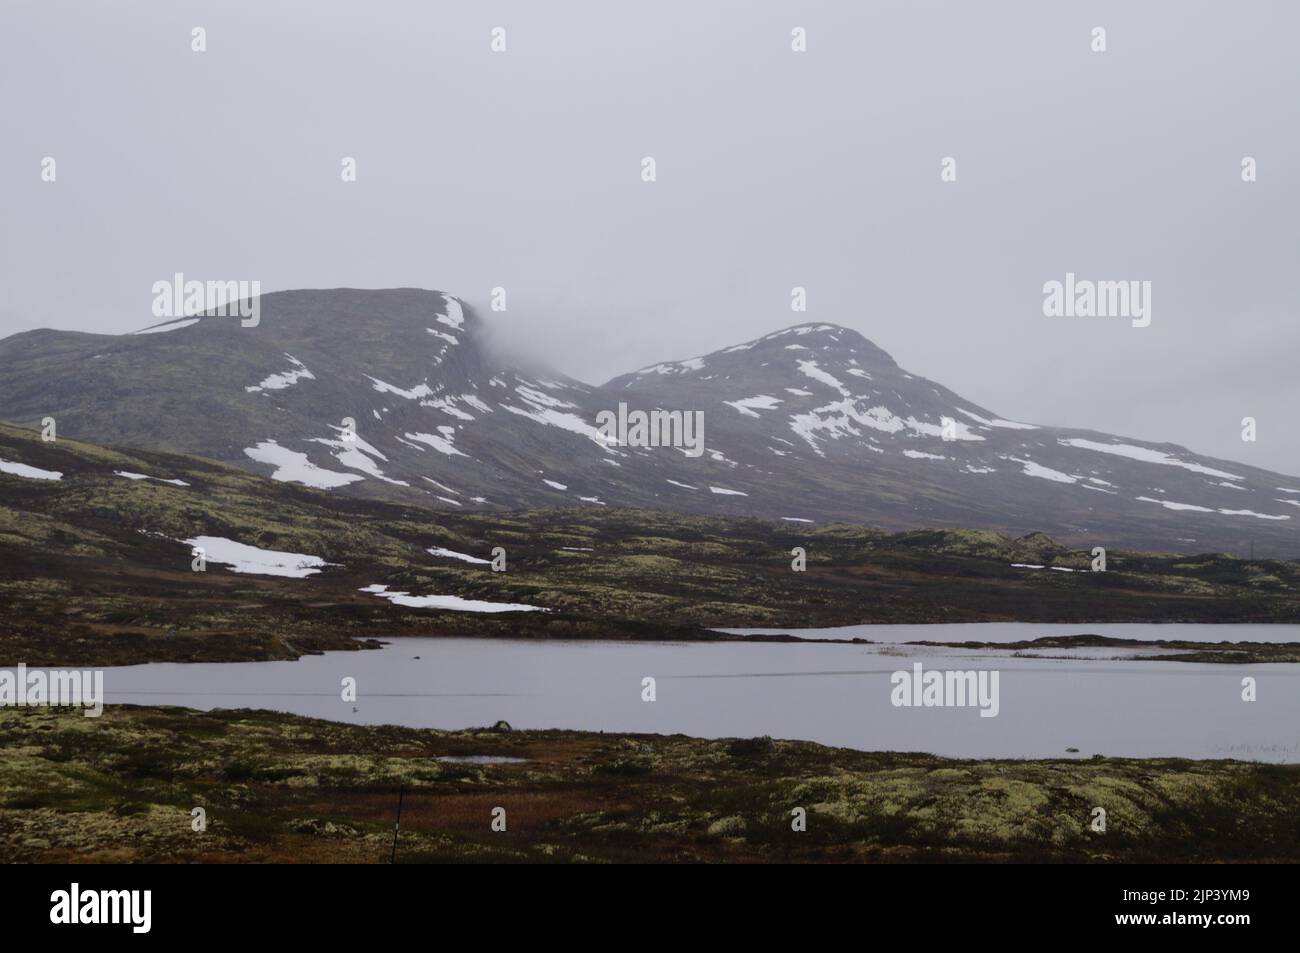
pixel 93 572
pixel 282 788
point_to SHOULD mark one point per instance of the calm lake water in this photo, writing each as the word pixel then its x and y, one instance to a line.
pixel 1026 631
pixel 833 694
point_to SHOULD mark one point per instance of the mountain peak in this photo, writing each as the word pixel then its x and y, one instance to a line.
pixel 396 394
pixel 812 340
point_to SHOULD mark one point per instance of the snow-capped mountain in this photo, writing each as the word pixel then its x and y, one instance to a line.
pixel 397 394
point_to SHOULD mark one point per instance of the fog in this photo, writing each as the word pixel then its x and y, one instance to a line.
pixel 522 170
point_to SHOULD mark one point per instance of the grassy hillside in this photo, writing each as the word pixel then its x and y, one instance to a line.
pixel 93 570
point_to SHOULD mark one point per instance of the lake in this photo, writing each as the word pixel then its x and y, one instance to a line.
pixel 1097 700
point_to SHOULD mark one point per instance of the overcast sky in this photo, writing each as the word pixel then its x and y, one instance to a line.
pixel 522 169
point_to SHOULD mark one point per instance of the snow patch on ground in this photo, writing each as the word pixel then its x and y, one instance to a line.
pixel 239 557
pixel 144 476
pixel 452 603
pixel 30 473
pixel 463 557
pixel 723 491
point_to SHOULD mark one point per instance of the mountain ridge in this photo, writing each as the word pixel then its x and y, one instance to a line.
pixel 402 394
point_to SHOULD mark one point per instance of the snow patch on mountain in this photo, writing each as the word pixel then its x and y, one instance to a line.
pixel 415 393
pixel 454 316
pixel 1030 468
pixel 748 405
pixel 350 450
pixel 1262 516
pixel 442 443
pixel 554 418
pixel 1171 505
pixel 677 367
pixel 810 369
pixel 448 406
pixel 837 420
pixel 294 467
pixel 285 378
pixel 1144 455
pixel 996 422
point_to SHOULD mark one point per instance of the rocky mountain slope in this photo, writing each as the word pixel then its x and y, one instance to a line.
pixel 397 395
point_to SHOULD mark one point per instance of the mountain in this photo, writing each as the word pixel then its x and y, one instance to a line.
pixel 400 395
